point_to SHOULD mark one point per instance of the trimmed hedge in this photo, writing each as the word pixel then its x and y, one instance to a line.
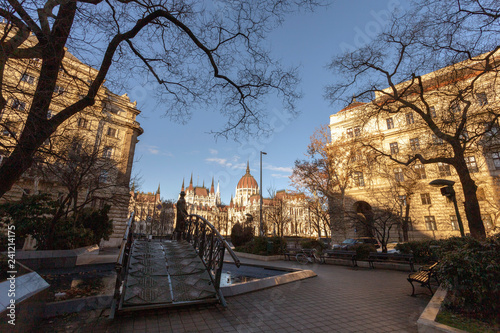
pixel 264 246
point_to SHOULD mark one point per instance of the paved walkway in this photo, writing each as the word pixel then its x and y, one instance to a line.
pixel 339 299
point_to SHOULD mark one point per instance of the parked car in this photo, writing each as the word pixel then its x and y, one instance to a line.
pixel 349 243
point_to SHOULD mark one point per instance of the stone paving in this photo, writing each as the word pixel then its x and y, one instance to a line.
pixel 339 299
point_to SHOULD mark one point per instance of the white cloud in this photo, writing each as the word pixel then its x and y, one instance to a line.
pixel 278 175
pixel 279 169
pixel 225 163
pixel 155 150
pixel 213 151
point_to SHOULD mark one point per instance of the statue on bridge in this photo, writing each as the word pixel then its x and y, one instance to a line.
pixel 180 223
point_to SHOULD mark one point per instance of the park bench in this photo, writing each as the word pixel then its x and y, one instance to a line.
pixel 340 254
pixel 291 252
pixel 392 258
pixel 423 276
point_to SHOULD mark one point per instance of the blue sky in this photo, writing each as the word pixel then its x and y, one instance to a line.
pixel 167 152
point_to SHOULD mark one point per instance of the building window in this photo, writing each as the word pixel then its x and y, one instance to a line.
pixel 430 222
pixel 357 131
pixel 444 169
pixel 488 223
pixel 471 163
pixel 46 142
pixel 420 171
pixel 50 114
pixel 349 133
pixel 432 111
pixel 482 99
pixel 2 158
pixel 437 140
pixel 111 132
pixel 107 152
pixel 28 78
pixel 394 148
pixel 414 144
pixel 465 135
pixel 398 175
pixel 455 107
pixel 103 177
pixel 454 222
pixel 390 123
pixel 58 90
pixel 402 200
pixel 426 198
pixel 18 105
pixel 496 159
pixel 409 119
pixel 82 122
pixel 358 178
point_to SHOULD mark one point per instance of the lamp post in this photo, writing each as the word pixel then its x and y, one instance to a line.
pixel 261 224
pixel 448 191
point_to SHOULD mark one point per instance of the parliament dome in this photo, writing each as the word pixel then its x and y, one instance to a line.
pixel 247 181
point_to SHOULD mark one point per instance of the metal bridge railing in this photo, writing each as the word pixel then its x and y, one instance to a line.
pixel 210 246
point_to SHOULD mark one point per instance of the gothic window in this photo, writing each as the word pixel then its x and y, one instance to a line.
pixel 437 140
pixel 394 148
pixel 28 78
pixel 58 90
pixel 398 175
pixel 349 133
pixel 107 152
pixel 358 178
pixel 82 122
pixel 430 222
pixel 111 132
pixel 426 198
pixel 357 131
pixel 414 144
pixel 390 123
pixel 420 171
pixel 444 169
pixel 409 119
pixel 471 163
pixel 18 105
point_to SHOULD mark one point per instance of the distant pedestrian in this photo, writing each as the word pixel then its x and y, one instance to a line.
pixel 180 223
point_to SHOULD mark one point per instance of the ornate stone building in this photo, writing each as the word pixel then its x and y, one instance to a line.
pixel 105 134
pixel 398 133
pixel 245 206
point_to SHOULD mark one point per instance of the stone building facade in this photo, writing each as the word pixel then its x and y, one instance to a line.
pixel 108 131
pixel 395 134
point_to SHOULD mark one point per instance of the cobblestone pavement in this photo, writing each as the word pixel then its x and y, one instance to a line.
pixel 339 299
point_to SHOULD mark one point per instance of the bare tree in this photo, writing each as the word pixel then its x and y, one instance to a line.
pixel 450 103
pixel 198 54
pixel 277 213
pixel 318 214
pixel 329 171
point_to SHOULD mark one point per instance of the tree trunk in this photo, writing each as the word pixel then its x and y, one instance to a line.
pixel 406 220
pixel 472 210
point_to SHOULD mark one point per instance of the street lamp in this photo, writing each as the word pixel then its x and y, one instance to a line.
pixel 261 224
pixel 448 191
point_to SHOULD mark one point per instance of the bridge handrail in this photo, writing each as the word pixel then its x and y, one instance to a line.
pixel 214 229
pixel 120 265
pixel 210 247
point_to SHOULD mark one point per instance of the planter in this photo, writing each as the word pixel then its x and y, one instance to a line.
pixel 258 257
pixel 427 321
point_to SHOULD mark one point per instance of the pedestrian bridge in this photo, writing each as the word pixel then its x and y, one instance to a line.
pixel 155 273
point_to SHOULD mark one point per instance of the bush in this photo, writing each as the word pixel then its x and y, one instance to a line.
pixel 313 244
pixel 471 272
pixel 424 252
pixel 240 236
pixel 363 250
pixel 260 245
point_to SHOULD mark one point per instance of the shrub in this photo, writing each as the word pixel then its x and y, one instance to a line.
pixel 424 252
pixel 363 250
pixel 260 245
pixel 313 244
pixel 240 236
pixel 471 274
